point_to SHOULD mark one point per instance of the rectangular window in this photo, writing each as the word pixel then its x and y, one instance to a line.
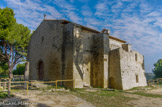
pixel 137 79
pixel 136 57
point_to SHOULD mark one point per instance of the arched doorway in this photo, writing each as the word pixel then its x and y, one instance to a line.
pixel 40 70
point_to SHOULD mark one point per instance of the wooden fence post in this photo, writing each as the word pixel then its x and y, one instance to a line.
pixel 27 87
pixel 0 83
pixel 4 86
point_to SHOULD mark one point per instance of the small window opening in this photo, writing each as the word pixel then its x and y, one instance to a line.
pixel 137 79
pixel 42 38
pixel 136 57
pixel 143 65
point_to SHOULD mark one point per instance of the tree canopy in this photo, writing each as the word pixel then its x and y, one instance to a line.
pixel 20 69
pixel 14 40
pixel 7 20
pixel 158 69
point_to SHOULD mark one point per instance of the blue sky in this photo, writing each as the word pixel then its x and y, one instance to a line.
pixel 139 22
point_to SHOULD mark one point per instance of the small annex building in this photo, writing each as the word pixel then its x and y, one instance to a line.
pixel 60 50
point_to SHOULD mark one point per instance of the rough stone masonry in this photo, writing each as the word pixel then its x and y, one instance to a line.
pixel 60 50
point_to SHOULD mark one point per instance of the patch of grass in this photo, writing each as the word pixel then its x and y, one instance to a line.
pixel 142 88
pixel 3 76
pixel 160 83
pixel 15 90
pixel 103 98
pixel 142 93
pixel 3 94
pixel 49 87
pixel 77 89
pixel 136 88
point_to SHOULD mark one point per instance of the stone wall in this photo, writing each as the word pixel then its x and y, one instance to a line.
pixel 52 43
pixel 90 61
pixel 126 69
pixel 106 59
pixel 132 69
pixel 46 46
pixel 67 54
pixel 115 80
pixel 98 61
pixel 82 59
pixel 114 44
pixel 71 51
pixel 127 47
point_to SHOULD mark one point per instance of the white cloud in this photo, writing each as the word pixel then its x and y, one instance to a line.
pixel 102 9
pixel 74 17
pixel 30 12
pixel 1 7
pixel 68 10
pixel 91 26
pixel 144 8
pixel 53 12
pixel 158 22
pixel 154 14
pixel 126 0
pixel 86 11
pixel 140 34
pixel 138 28
pixel 28 4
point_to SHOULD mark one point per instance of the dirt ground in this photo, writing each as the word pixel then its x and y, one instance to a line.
pixel 38 98
pixel 143 101
pixel 155 91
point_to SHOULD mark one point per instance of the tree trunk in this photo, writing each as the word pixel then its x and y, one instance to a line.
pixel 9 81
pixel 9 87
pixel 10 73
